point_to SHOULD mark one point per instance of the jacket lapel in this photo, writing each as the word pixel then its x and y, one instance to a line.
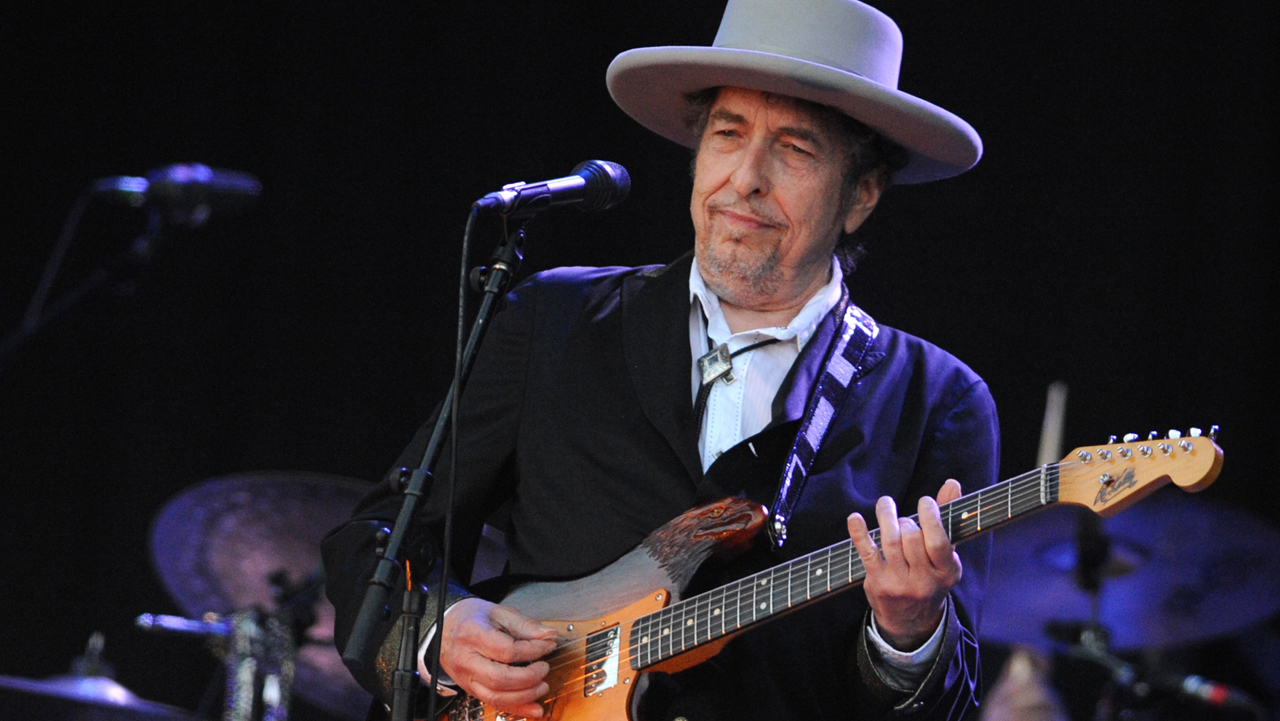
pixel 797 389
pixel 792 398
pixel 655 318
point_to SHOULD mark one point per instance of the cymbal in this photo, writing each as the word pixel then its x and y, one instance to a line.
pixel 79 698
pixel 1182 570
pixel 216 545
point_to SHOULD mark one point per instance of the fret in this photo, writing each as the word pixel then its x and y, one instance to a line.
pixel 703 624
pixel 674 623
pixel 765 580
pixel 777 584
pixel 640 643
pixel 737 605
pixel 718 612
pixel 755 602
pixel 682 622
pixel 805 573
pixel 662 629
pixel 1009 501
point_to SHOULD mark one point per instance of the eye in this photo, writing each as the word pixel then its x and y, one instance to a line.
pixel 797 149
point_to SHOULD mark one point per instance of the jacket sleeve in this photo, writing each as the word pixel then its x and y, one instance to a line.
pixel 965 445
pixel 488 422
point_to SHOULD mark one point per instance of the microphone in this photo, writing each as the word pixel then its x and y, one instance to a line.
pixel 594 184
pixel 188 194
pixel 1210 693
pixel 213 625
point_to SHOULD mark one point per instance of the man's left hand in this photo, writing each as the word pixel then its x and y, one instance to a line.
pixel 913 570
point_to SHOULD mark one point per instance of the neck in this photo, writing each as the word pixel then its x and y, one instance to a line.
pixel 744 319
pixel 773 312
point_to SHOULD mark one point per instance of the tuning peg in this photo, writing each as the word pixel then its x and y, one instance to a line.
pixel 1130 437
pixel 1174 434
pixel 1111 439
pixel 1213 433
pixel 1152 436
pixel 1195 432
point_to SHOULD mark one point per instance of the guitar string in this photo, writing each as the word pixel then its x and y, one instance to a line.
pixel 1005 493
pixel 1001 494
pixel 841 556
pixel 841 551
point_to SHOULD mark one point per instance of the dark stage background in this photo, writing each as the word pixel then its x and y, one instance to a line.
pixel 1117 236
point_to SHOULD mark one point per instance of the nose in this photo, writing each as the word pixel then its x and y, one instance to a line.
pixel 751 176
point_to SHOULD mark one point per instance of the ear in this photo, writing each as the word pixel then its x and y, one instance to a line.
pixel 865 194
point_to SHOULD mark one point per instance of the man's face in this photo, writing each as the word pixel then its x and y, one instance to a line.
pixel 767 200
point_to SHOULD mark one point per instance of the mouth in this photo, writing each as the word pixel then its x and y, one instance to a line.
pixel 744 221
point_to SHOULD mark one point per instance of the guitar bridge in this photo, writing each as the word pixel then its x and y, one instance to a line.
pixel 601 669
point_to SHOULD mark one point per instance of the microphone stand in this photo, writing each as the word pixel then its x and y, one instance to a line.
pixel 493 280
pixel 40 313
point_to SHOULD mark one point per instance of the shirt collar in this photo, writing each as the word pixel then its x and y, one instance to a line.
pixel 800 329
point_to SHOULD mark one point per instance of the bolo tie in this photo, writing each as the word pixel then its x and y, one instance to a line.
pixel 716 365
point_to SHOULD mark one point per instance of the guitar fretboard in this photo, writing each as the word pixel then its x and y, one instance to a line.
pixel 714 614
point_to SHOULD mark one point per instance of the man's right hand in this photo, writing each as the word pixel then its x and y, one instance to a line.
pixel 492 652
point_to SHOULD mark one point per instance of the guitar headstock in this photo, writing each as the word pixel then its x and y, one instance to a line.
pixel 1109 478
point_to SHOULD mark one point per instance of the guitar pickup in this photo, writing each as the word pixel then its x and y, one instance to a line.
pixel 601 669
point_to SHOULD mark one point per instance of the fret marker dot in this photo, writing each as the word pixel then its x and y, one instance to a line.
pixel 762 606
pixel 818 572
pixel 689 622
pixel 764 582
pixel 644 640
pixel 666 631
pixel 715 612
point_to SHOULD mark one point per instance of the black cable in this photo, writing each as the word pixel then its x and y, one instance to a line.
pixel 454 403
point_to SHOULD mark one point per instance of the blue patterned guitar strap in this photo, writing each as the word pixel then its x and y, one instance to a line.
pixel 844 368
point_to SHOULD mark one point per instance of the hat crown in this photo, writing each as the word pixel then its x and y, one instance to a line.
pixel 843 34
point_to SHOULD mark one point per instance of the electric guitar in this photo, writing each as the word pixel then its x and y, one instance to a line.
pixel 628 618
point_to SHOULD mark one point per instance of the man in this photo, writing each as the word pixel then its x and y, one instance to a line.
pixel 589 414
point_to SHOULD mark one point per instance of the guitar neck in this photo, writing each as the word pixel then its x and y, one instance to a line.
pixel 728 609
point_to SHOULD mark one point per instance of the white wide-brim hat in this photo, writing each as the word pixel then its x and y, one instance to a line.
pixel 840 53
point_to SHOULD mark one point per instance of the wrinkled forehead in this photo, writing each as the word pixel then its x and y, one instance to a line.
pixel 819 119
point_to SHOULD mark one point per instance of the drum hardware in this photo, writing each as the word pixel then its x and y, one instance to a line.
pixel 241 556
pixel 88 693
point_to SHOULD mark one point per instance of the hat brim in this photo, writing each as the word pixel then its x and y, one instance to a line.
pixel 650 85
